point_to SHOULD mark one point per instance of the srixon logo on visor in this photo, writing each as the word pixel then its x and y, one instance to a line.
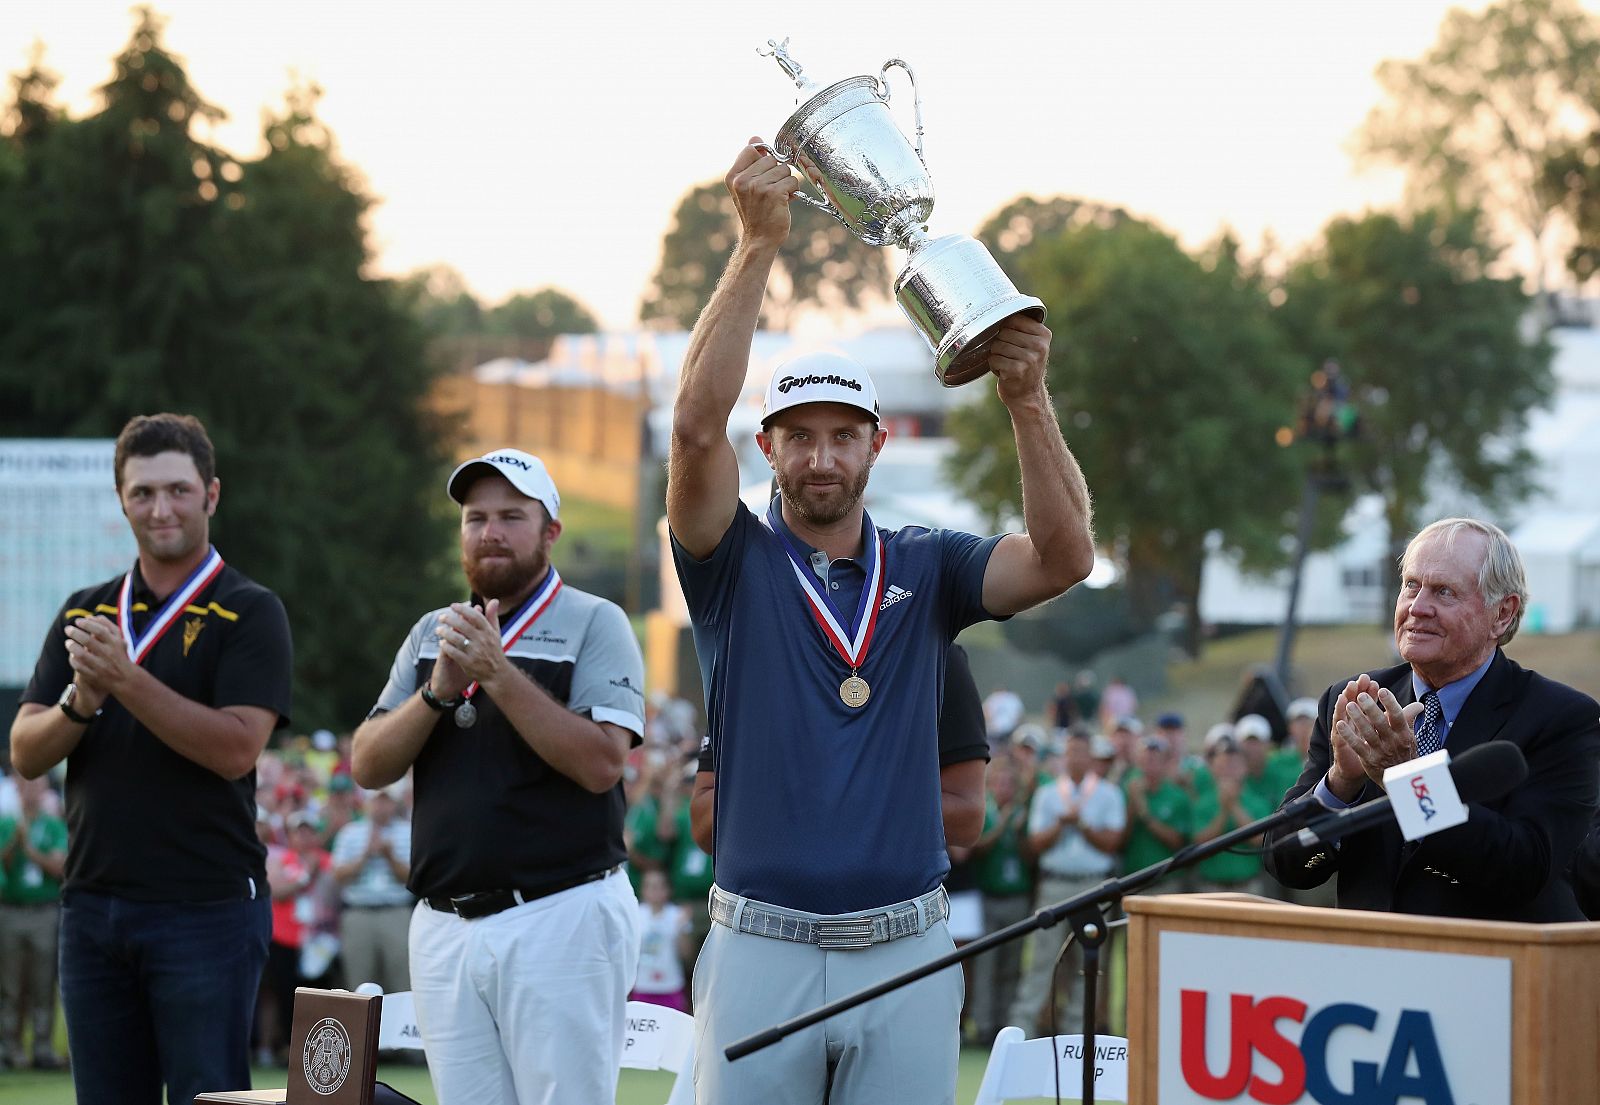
pixel 1401 1063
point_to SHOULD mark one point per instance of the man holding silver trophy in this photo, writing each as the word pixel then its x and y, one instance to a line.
pixel 822 639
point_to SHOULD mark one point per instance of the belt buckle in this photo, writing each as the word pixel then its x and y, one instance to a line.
pixel 469 907
pixel 845 933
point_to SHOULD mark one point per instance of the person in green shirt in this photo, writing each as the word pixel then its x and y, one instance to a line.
pixel 1189 769
pixel 688 868
pixel 640 827
pixel 1286 766
pixel 35 856
pixel 1005 878
pixel 1254 735
pixel 1226 806
pixel 659 837
pixel 1159 808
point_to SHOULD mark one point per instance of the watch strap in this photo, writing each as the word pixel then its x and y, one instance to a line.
pixel 66 708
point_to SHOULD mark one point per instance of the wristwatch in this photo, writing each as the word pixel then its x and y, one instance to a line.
pixel 433 701
pixel 68 697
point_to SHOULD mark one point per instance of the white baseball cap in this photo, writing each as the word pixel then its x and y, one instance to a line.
pixel 820 378
pixel 1253 727
pixel 1303 707
pixel 525 471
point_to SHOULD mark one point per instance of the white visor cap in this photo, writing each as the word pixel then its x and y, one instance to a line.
pixel 820 378
pixel 525 471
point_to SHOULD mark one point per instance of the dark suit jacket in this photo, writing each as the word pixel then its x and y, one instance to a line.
pixel 1585 873
pixel 1509 861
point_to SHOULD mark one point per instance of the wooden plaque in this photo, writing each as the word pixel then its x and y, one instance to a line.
pixel 333 1047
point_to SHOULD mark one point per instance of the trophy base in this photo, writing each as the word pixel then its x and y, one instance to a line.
pixel 957 297
pixel 963 357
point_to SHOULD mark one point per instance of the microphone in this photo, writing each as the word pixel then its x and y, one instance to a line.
pixel 1479 774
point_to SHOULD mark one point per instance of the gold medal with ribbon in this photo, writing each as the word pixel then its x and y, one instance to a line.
pixel 850 639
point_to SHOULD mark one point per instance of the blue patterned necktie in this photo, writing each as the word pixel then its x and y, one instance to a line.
pixel 1430 726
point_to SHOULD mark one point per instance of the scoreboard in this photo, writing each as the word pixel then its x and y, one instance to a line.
pixel 61 529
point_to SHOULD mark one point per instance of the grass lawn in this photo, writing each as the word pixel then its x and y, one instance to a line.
pixel 602 528
pixel 637 1087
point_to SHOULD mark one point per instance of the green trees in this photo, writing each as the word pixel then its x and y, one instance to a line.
pixel 543 314
pixel 1170 381
pixel 440 300
pixel 1173 373
pixel 1435 348
pixel 147 270
pixel 822 264
pixel 1478 119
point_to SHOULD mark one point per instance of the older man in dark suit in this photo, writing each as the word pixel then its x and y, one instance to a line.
pixel 1462 594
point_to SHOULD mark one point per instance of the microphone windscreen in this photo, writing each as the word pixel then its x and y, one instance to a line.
pixel 1488 770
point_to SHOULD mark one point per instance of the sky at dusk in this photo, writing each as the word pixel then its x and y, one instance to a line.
pixel 529 145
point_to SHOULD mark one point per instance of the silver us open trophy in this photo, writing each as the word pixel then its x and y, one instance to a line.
pixel 843 138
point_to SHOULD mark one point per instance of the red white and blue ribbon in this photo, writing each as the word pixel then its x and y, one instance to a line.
pixel 139 645
pixel 849 639
pixel 528 613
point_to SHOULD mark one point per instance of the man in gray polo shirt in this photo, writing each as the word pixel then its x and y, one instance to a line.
pixel 517 712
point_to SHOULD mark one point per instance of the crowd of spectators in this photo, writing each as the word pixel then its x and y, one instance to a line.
pixel 1071 795
pixel 1094 791
pixel 33 852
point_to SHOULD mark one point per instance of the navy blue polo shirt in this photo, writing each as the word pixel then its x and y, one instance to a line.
pixel 821 807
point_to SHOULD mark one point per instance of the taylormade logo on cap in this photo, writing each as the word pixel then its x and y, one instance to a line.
pixel 820 378
pixel 789 382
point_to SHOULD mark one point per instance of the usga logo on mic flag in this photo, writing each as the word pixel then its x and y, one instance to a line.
pixel 1278 1022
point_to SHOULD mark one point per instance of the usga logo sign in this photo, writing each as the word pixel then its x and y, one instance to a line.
pixel 1412 1067
pixel 1283 1022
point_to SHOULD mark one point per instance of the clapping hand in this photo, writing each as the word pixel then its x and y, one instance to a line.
pixel 1372 732
pixel 469 647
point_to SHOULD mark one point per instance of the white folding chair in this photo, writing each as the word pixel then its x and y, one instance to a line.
pixel 397 1030
pixel 662 1039
pixel 1020 1067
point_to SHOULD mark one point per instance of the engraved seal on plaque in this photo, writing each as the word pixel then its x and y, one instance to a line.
pixel 326 1057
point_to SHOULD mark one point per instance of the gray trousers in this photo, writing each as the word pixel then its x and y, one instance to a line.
pixel 374 945
pixel 28 978
pixel 995 973
pixel 904 1046
pixel 1043 947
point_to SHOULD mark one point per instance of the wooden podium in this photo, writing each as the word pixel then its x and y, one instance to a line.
pixel 1238 998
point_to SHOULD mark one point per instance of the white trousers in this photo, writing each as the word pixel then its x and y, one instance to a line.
pixel 527 1006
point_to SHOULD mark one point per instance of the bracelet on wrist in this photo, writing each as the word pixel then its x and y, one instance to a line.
pixel 437 704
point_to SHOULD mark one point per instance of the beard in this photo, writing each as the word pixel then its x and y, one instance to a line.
pixel 827 508
pixel 503 578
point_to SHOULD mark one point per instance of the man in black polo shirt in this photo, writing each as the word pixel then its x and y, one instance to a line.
pixel 517 711
pixel 159 688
